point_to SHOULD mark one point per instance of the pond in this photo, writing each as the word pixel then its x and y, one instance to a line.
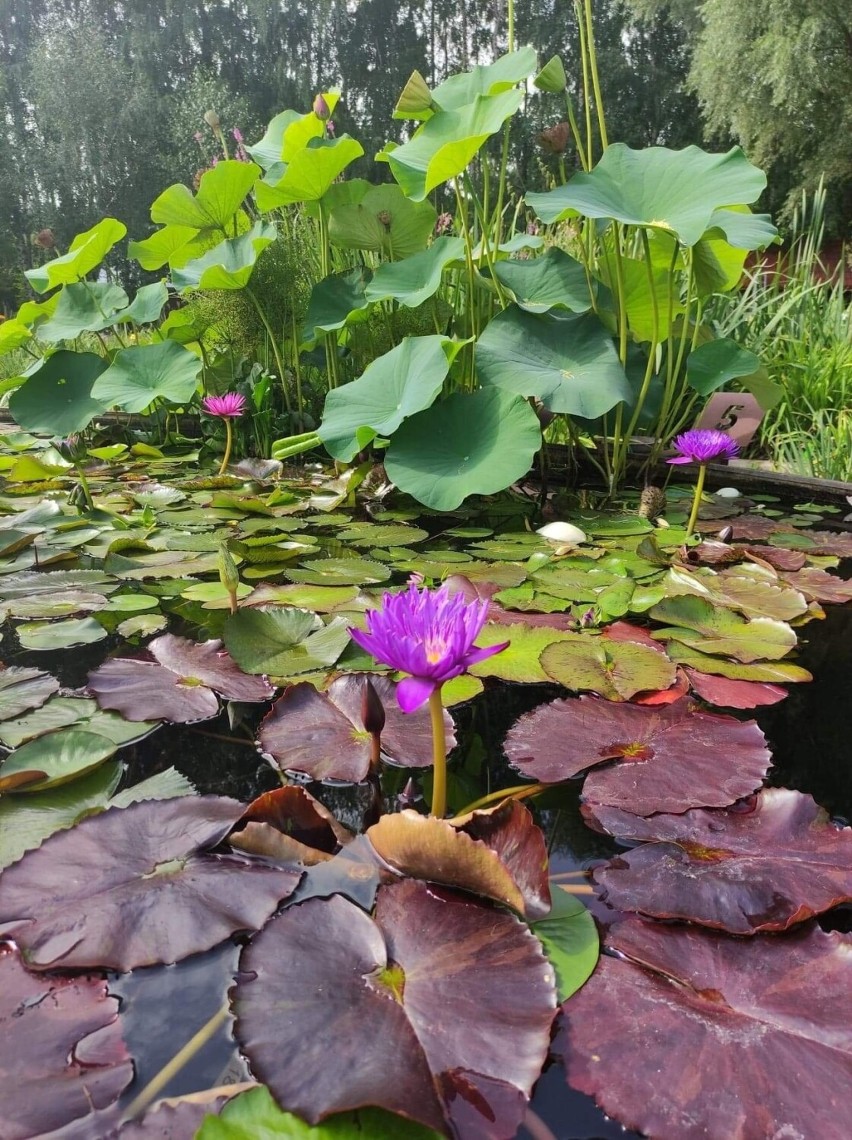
pixel 729 624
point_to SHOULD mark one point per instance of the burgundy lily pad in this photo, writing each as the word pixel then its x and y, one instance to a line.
pixel 819 586
pixel 733 694
pixel 665 758
pixel 499 854
pixel 721 554
pixel 749 527
pixel 336 1010
pixel 177 680
pixel 137 885
pixel 693 1034
pixel 290 825
pixel 766 868
pixel 62 1055
pixel 323 735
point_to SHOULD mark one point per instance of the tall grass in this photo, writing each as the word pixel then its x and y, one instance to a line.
pixel 795 316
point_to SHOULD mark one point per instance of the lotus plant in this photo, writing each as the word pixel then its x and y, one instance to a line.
pixel 702 446
pixel 73 449
pixel 430 635
pixel 227 408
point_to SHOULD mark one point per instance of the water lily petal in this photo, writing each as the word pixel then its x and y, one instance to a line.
pixel 414 692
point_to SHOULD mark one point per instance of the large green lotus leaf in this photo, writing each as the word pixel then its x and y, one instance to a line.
pixel 393 387
pixel 617 670
pixel 143 373
pixel 443 146
pixel 53 759
pixel 383 221
pixel 465 445
pixel 60 634
pixel 57 399
pixel 83 307
pixel 742 229
pixel 519 661
pixel 416 278
pixel 554 280
pixel 709 629
pixel 153 252
pixel 230 264
pixel 485 79
pixel 716 266
pixel 254 1115
pixel 714 363
pixel 270 148
pixel 221 192
pixel 646 300
pixel 569 362
pixel 393 998
pixel 309 174
pixel 677 191
pixel 86 251
pixel 570 940
pixel 136 886
pixel 781 672
pixel 146 306
pixel 282 642
pixel 338 300
pixel 13 334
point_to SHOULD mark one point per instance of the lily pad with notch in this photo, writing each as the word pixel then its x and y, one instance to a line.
pixel 284 641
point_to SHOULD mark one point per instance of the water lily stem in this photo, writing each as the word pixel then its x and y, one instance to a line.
pixel 155 1086
pixel 519 792
pixel 84 483
pixel 696 501
pixel 229 442
pixel 439 755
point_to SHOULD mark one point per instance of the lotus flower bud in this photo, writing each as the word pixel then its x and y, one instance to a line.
pixel 45 239
pixel 212 120
pixel 416 98
pixel 229 575
pixel 72 448
pixel 321 109
pixel 555 139
pixel 562 533
pixel 372 709
pixel 725 534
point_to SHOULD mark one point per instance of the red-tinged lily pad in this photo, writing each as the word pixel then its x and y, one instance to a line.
pixel 772 672
pixel 499 854
pixel 748 527
pixel 766 868
pixel 721 554
pixel 617 670
pixel 177 680
pixel 692 1034
pixel 62 1056
pixel 669 758
pixel 135 886
pixel 730 693
pixel 290 825
pixel 336 1010
pixel 819 586
pixel 323 735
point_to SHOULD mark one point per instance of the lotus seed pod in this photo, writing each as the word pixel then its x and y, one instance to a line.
pixel 212 120
pixel 652 502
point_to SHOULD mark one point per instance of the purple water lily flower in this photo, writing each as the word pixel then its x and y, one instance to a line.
pixel 229 406
pixel 428 634
pixel 703 446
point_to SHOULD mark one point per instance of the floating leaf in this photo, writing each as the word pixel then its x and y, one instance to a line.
pixel 283 642
pixel 669 757
pixel 617 670
pixel 397 996
pixel 23 689
pixel 734 694
pixel 701 625
pixel 54 758
pixel 520 661
pixel 765 867
pixel 62 1055
pixel 341 572
pixel 570 939
pixel 323 735
pixel 499 854
pixel 135 886
pixel 819 586
pixel 570 363
pixel 764 671
pixel 731 1023
pixel 60 634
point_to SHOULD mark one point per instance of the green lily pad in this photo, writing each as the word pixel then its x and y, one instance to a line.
pixel 570 940
pixel 60 634
pixel 221 192
pixel 283 642
pixel 141 625
pixel 86 252
pixel 389 534
pixel 383 221
pixel 617 670
pixel 520 660
pixel 73 712
pixel 553 281
pixel 781 672
pixel 230 264
pixel 320 599
pixel 676 191
pixel 52 759
pixel 143 373
pixel 23 689
pixel 569 362
pixel 701 625
pixel 416 278
pixel 393 387
pixel 465 445
pixel 340 572
pixel 57 399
